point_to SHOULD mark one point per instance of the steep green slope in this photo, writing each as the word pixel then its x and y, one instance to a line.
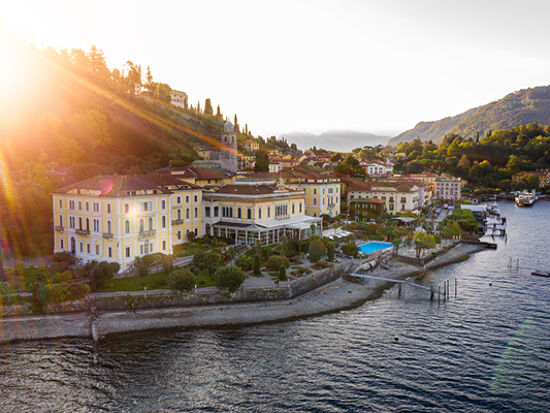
pixel 61 123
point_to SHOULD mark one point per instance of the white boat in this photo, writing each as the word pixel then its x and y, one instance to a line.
pixel 526 199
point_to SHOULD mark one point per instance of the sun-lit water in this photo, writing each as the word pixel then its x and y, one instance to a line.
pixel 488 350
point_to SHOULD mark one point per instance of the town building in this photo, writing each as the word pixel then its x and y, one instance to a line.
pixel 206 174
pixel 251 145
pixel 117 218
pixel 542 174
pixel 378 168
pixel 443 187
pixel 257 210
pixel 397 196
pixel 322 191
pixel 178 98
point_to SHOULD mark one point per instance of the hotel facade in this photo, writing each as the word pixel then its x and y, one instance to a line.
pixel 117 218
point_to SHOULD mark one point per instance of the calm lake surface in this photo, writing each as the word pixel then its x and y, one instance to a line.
pixel 487 350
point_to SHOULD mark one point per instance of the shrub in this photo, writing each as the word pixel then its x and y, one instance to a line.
pixel 40 296
pixel 350 249
pixel 143 270
pixel 214 260
pixel 276 261
pixel 229 278
pixel 99 273
pixel 182 280
pixel 64 257
pixel 245 262
pixel 61 277
pixel 316 250
pixel 282 273
pixel 191 236
pixel 257 270
pixel 291 248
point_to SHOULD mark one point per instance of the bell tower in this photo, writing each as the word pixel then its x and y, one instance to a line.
pixel 228 148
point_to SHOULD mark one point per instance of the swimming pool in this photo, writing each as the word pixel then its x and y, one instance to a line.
pixel 373 246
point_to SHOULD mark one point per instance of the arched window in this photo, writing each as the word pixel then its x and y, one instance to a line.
pixel 88 224
pixel 249 213
pixel 80 223
pixel 60 220
pixel 239 213
pixel 150 224
pixel 109 226
pixel 187 213
pixel 179 214
pixel 260 212
pixel 163 222
pixel 197 212
pixel 127 226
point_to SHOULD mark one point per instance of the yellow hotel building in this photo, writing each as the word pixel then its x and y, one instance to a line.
pixel 257 209
pixel 117 218
pixel 322 191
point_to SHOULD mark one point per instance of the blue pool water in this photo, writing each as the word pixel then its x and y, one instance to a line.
pixel 373 246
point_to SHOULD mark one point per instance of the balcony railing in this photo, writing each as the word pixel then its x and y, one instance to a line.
pixel 150 233
pixel 177 221
pixel 281 217
pixel 107 235
pixel 59 228
pixel 82 231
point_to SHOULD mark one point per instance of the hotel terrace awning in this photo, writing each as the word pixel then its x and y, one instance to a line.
pixel 292 222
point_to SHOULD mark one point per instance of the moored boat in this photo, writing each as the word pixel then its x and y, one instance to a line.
pixel 526 199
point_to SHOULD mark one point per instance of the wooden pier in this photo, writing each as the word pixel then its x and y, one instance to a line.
pixel 445 287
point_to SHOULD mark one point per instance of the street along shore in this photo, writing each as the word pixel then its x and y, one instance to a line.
pixel 335 295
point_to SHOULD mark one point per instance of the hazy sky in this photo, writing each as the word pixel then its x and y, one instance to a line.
pixel 377 66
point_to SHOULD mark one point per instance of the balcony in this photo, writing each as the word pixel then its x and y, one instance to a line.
pixel 144 234
pixel 59 228
pixel 81 231
pixel 177 221
pixel 107 235
pixel 281 217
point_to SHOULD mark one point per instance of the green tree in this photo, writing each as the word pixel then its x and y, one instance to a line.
pixel 257 269
pixel 229 278
pixel 350 249
pixel 530 181
pixel 464 163
pixel 149 79
pixel 423 241
pixel 262 162
pixel 282 273
pixel 208 110
pixel 99 273
pixel 316 250
pixel 182 280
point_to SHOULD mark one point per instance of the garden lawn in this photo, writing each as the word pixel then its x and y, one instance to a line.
pixel 157 281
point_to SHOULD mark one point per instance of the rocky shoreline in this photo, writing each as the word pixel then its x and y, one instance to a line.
pixel 334 296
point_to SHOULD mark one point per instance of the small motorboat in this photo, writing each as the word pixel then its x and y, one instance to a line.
pixel 541 273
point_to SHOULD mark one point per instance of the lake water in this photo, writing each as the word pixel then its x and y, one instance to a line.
pixel 488 350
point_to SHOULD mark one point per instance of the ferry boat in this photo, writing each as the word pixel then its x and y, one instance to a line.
pixel 526 199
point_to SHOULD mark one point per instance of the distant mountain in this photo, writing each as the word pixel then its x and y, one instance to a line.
pixel 518 108
pixel 335 140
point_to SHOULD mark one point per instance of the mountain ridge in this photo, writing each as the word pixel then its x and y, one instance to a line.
pixel 517 108
pixel 340 140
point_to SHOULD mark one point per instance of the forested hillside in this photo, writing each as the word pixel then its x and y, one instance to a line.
pixel 72 118
pixel 488 162
pixel 518 108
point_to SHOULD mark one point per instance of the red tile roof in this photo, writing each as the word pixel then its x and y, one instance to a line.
pixel 124 185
